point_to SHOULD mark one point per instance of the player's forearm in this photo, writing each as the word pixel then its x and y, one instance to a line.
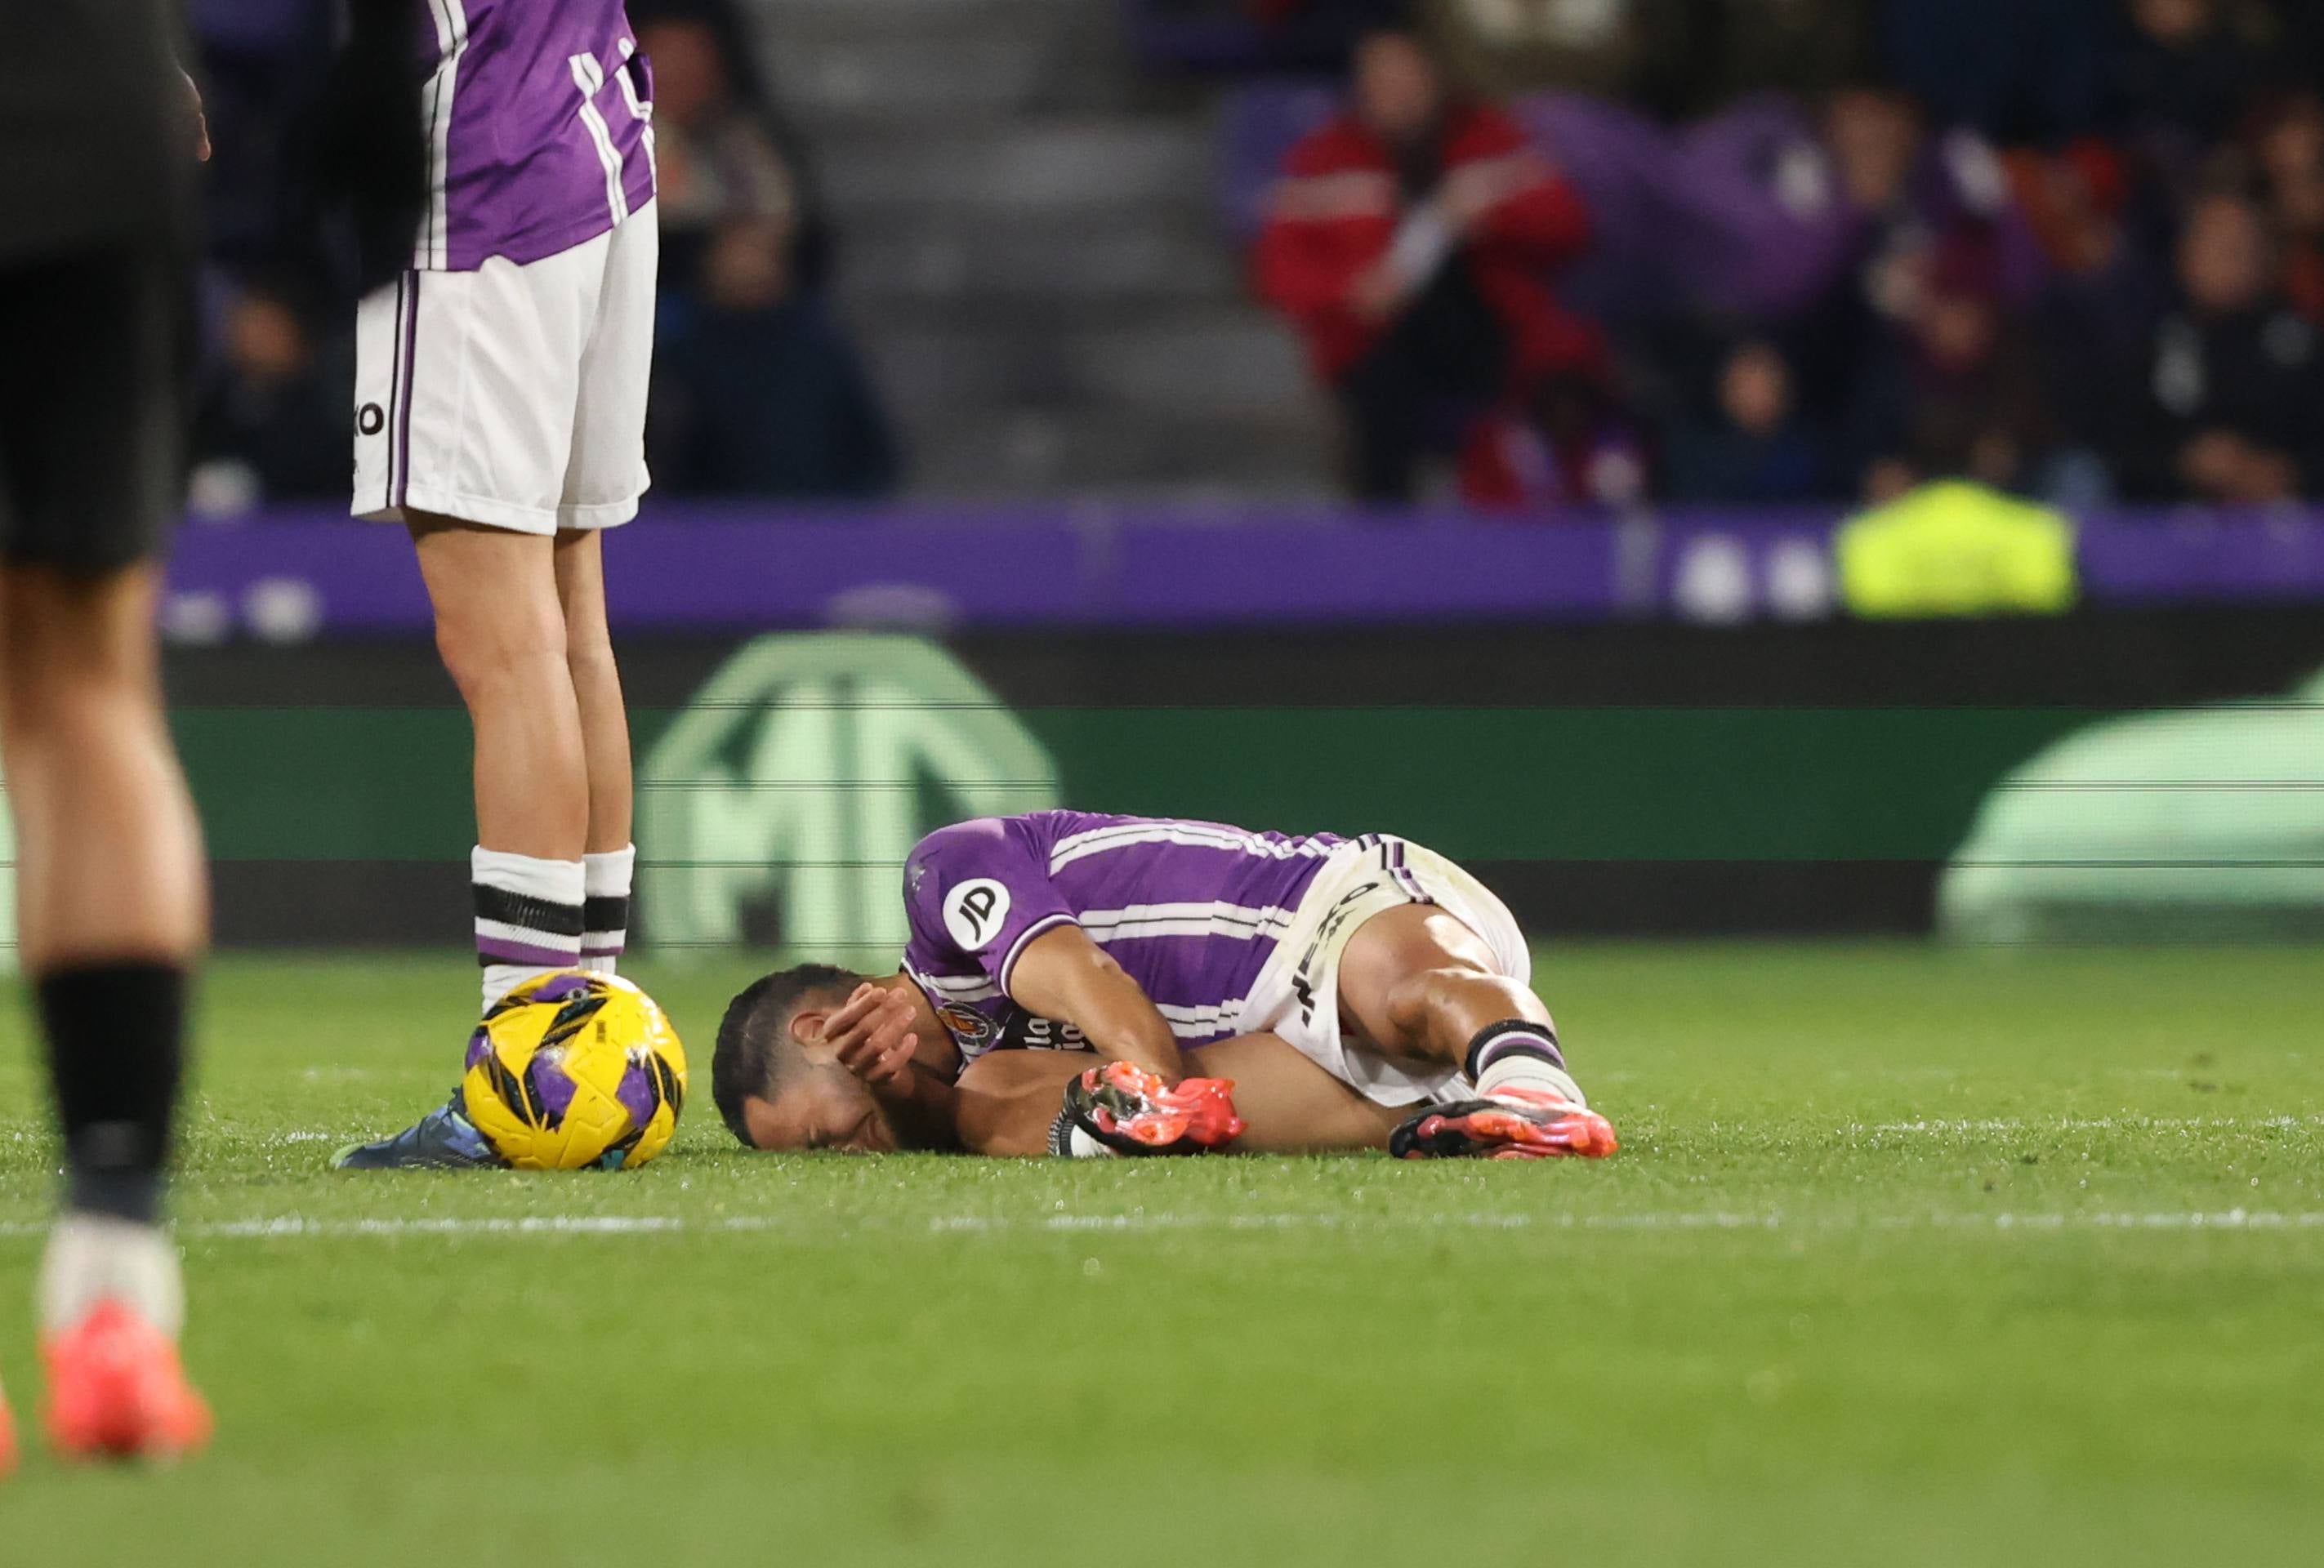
pixel 1062 974
pixel 1138 1036
pixel 1117 1019
pixel 1122 1026
pixel 1008 1101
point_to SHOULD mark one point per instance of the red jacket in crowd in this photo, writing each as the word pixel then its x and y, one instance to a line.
pixel 1334 215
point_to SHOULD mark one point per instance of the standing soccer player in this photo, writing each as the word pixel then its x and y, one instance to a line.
pixel 98 138
pixel 500 416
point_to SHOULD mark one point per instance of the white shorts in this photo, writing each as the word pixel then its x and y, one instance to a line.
pixel 1298 994
pixel 511 396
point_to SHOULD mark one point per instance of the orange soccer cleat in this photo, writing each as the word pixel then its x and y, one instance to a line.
pixel 1132 1112
pixel 117 1390
pixel 1516 1124
pixel 7 1438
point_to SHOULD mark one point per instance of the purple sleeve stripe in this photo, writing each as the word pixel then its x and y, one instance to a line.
pixel 1009 965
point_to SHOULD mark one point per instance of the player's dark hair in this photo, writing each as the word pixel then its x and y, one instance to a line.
pixel 755 1054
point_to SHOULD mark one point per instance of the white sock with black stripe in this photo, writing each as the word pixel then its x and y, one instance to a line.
pixel 528 916
pixel 1517 1054
pixel 606 907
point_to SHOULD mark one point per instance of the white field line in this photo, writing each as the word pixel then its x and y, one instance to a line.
pixel 2035 1124
pixel 295 1228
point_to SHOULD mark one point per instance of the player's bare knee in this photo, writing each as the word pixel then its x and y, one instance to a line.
pixel 1425 1006
pixel 55 623
pixel 487 655
pixel 589 655
pixel 53 684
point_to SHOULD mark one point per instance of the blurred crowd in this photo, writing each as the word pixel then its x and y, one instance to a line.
pixel 2072 249
pixel 756 391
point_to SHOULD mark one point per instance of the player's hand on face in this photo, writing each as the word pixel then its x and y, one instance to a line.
pixel 871 1035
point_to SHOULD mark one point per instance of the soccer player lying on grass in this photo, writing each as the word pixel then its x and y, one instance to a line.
pixel 1388 967
pixel 1009 1102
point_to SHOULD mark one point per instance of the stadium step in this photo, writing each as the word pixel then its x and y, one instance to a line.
pixel 1041 450
pixel 943 61
pixel 1089 163
pixel 1044 261
pixel 842 20
pixel 1031 256
pixel 1217 363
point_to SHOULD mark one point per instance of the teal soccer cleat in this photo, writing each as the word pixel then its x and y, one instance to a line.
pixel 443 1139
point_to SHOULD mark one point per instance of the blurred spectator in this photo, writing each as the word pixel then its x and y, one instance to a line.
pixel 2234 378
pixel 2074 201
pixel 1906 197
pixel 1753 447
pixel 2097 313
pixel 717 157
pixel 272 421
pixel 1956 394
pixel 2289 150
pixel 1570 447
pixel 756 390
pixel 2181 78
pixel 1411 240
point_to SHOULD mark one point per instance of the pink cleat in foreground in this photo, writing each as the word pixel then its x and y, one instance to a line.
pixel 117 1390
pixel 1518 1124
pixel 1132 1110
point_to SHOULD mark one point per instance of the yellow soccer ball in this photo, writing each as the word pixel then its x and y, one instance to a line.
pixel 574 1070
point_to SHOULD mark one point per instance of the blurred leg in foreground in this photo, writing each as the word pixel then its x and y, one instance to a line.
pixel 112 895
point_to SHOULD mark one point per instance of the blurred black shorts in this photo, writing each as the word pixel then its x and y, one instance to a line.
pixel 95 356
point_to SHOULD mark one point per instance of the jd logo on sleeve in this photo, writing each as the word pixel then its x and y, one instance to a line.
pixel 973 912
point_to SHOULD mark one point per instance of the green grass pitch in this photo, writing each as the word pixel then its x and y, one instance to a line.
pixel 1911 1257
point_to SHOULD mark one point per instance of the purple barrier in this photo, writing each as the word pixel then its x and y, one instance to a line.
pixel 1265 571
pixel 727 568
pixel 2198 556
pixel 286 576
pixel 292 576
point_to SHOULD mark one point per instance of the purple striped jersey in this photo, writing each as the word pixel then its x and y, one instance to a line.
pixel 1192 910
pixel 539 120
